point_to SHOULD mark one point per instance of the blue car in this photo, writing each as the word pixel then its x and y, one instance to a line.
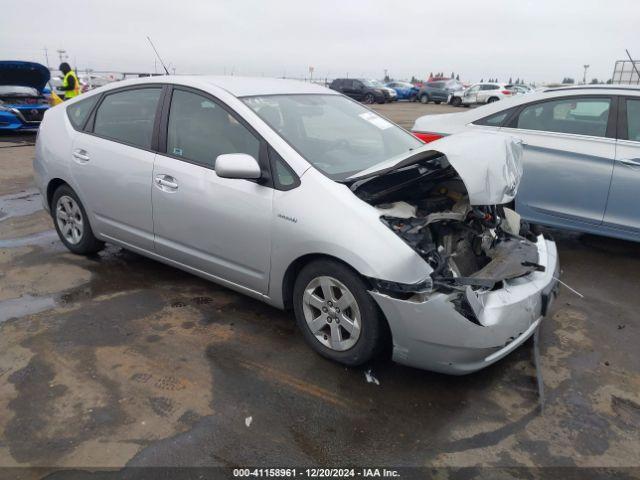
pixel 22 103
pixel 405 90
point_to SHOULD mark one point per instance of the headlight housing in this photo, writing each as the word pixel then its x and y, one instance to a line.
pixel 407 289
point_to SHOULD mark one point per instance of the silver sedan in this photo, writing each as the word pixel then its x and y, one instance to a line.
pixel 581 154
pixel 298 196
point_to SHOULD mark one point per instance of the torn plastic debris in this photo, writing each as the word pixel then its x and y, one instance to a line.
pixel 370 377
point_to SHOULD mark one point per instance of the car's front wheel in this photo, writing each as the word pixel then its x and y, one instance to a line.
pixel 336 314
pixel 369 98
pixel 456 101
pixel 424 98
pixel 71 222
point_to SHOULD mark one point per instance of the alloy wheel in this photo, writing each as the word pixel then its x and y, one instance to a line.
pixel 69 219
pixel 332 313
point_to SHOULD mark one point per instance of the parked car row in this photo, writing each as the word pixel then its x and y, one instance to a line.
pixel 364 90
pixel 581 154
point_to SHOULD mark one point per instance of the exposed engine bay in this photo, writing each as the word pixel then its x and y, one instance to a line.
pixel 427 205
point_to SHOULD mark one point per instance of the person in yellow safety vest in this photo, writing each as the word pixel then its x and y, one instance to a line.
pixel 70 83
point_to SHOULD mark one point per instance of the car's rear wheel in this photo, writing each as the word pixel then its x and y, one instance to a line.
pixel 456 101
pixel 424 98
pixel 71 222
pixel 369 98
pixel 493 99
pixel 413 98
pixel 336 315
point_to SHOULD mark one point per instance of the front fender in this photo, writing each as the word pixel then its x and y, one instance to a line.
pixel 323 217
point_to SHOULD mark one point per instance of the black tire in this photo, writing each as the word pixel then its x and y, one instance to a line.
pixel 437 102
pixel 493 99
pixel 456 101
pixel 369 99
pixel 373 328
pixel 424 98
pixel 87 244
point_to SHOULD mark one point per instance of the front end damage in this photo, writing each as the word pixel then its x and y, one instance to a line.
pixel 492 280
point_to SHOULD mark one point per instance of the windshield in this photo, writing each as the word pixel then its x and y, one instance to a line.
pixel 336 135
pixel 18 90
pixel 370 83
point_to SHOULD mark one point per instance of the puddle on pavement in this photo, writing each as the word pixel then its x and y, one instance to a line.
pixel 40 238
pixel 25 305
pixel 20 204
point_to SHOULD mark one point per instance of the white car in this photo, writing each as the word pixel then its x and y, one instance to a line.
pixel 581 154
pixel 481 93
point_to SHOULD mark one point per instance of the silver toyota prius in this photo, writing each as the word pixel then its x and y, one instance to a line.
pixel 298 196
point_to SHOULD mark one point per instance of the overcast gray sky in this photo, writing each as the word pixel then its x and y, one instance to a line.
pixel 543 40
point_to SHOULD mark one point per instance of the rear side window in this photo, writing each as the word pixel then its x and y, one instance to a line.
pixel 199 130
pixel 633 120
pixel 79 111
pixel 581 116
pixel 495 120
pixel 128 116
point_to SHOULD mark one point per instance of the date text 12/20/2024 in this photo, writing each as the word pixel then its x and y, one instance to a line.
pixel 315 473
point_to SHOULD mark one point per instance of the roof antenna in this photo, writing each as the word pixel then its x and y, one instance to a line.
pixel 158 55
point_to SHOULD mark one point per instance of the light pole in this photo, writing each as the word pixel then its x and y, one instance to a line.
pixel 62 54
pixel 584 77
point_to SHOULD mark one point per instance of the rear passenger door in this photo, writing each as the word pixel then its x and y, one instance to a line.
pixel 218 226
pixel 569 147
pixel 112 165
pixel 624 196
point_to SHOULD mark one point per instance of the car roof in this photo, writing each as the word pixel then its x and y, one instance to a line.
pixel 594 87
pixel 235 85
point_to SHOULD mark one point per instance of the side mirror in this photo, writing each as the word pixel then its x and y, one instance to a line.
pixel 237 165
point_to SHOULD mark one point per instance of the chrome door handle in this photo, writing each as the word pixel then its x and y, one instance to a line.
pixel 166 182
pixel 632 162
pixel 81 155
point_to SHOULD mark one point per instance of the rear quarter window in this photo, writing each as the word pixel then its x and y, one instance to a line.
pixel 79 111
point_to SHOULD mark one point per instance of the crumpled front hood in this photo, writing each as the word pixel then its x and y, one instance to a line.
pixel 488 163
pixel 24 74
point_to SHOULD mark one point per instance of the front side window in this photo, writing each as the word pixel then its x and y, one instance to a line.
pixel 581 116
pixel 199 130
pixel 79 111
pixel 128 116
pixel 633 120
pixel 337 136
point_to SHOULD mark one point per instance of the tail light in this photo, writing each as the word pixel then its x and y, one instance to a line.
pixel 507 92
pixel 427 137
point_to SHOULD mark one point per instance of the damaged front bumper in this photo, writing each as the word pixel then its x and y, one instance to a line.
pixel 435 333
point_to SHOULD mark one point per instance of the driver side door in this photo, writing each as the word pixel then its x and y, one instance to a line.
pixel 217 226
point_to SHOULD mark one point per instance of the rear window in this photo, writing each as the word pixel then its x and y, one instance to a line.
pixel 435 84
pixel 495 120
pixel 79 111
